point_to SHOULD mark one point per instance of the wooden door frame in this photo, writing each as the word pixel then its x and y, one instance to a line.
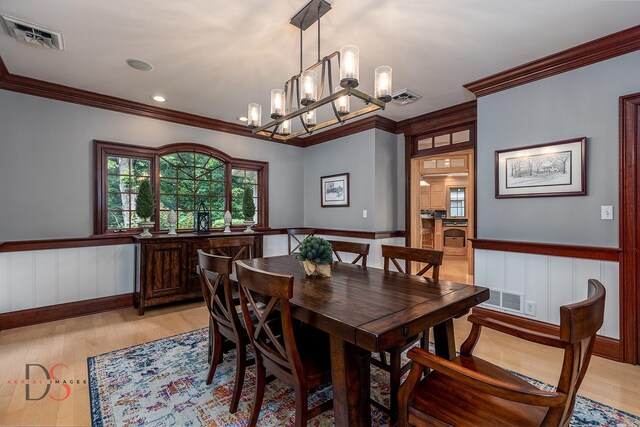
pixel 629 231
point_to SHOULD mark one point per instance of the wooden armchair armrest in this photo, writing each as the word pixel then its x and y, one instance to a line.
pixel 484 383
pixel 527 334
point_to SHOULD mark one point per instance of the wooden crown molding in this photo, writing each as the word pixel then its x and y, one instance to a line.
pixel 447 117
pixel 372 122
pixel 607 47
pixel 550 249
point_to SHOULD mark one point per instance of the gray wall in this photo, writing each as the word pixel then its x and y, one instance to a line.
pixel 46 164
pixel 578 103
pixel 370 158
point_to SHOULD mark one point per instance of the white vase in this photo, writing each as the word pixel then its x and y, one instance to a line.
pixel 248 224
pixel 173 220
pixel 146 225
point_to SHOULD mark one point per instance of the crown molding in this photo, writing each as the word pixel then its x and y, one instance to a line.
pixel 372 122
pixel 35 87
pixel 447 117
pixel 607 47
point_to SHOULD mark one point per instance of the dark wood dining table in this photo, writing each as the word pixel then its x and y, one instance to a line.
pixel 368 310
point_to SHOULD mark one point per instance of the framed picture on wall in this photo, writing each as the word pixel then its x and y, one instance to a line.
pixel 551 169
pixel 334 190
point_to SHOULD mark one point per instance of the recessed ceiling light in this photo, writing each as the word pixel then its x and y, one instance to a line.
pixel 242 118
pixel 139 64
pixel 158 98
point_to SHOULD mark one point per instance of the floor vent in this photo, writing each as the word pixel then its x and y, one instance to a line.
pixel 404 97
pixel 506 300
pixel 32 34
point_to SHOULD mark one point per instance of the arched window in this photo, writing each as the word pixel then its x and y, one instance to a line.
pixel 182 176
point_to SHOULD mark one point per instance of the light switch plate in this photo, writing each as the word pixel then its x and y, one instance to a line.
pixel 606 212
pixel 364 213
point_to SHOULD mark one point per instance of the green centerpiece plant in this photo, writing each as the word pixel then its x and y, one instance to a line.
pixel 316 255
pixel 145 207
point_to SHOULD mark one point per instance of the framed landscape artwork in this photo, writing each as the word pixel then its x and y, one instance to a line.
pixel 552 169
pixel 334 190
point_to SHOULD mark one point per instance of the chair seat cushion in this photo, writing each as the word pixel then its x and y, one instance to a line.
pixel 449 401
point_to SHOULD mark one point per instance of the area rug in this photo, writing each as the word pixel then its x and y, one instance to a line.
pixel 162 383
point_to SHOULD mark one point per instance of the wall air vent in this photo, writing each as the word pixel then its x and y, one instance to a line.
pixel 404 97
pixel 32 34
pixel 506 300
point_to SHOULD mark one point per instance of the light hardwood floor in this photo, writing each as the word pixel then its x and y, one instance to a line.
pixel 72 341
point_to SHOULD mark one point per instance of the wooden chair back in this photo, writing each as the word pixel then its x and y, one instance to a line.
pixel 236 247
pixel 430 257
pixel 360 249
pixel 273 341
pixel 467 374
pixel 295 239
pixel 579 324
pixel 214 271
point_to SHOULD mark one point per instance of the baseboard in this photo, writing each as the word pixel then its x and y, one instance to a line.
pixel 604 346
pixel 33 316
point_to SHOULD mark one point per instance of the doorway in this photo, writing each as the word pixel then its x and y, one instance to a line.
pixel 442 210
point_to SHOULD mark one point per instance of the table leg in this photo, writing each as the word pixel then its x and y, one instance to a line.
pixel 350 383
pixel 445 341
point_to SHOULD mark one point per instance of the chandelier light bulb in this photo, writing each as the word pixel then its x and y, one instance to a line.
pixel 349 66
pixel 285 127
pixel 383 79
pixel 277 103
pixel 310 118
pixel 254 114
pixel 309 79
pixel 342 103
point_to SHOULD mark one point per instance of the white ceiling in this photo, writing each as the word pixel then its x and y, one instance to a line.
pixel 213 57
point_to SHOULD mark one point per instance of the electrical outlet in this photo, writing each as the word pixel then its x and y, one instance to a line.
pixel 530 308
pixel 364 213
pixel 606 212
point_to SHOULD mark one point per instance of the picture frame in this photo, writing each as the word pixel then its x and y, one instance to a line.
pixel 552 169
pixel 334 190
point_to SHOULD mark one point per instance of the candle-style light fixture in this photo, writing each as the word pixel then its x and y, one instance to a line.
pixel 304 93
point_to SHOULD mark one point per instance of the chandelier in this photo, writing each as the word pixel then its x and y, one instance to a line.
pixel 305 92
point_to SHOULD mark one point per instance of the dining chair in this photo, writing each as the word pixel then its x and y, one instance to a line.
pixel 432 260
pixel 214 272
pixel 469 391
pixel 236 247
pixel 294 236
pixel 359 249
pixel 299 358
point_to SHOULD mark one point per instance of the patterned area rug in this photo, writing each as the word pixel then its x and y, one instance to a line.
pixel 162 383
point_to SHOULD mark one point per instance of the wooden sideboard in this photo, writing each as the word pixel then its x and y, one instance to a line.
pixel 166 266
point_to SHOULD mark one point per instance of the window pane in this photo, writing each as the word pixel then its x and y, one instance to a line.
pixel 240 179
pixel 442 140
pixel 123 180
pixel 425 144
pixel 459 137
pixel 195 178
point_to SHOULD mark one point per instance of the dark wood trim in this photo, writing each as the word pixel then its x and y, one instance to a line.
pixel 629 179
pixel 35 87
pixel 597 50
pixel 604 346
pixel 3 70
pixel 33 316
pixel 372 122
pixel 551 249
pixel 408 141
pixel 456 115
pixel 74 242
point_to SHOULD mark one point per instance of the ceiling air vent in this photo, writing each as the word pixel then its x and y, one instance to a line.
pixel 404 97
pixel 32 34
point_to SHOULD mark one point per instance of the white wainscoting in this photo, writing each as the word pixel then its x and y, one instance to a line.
pixel 375 250
pixel 41 278
pixel 550 282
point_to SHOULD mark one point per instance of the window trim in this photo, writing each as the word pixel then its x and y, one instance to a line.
pixel 104 149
